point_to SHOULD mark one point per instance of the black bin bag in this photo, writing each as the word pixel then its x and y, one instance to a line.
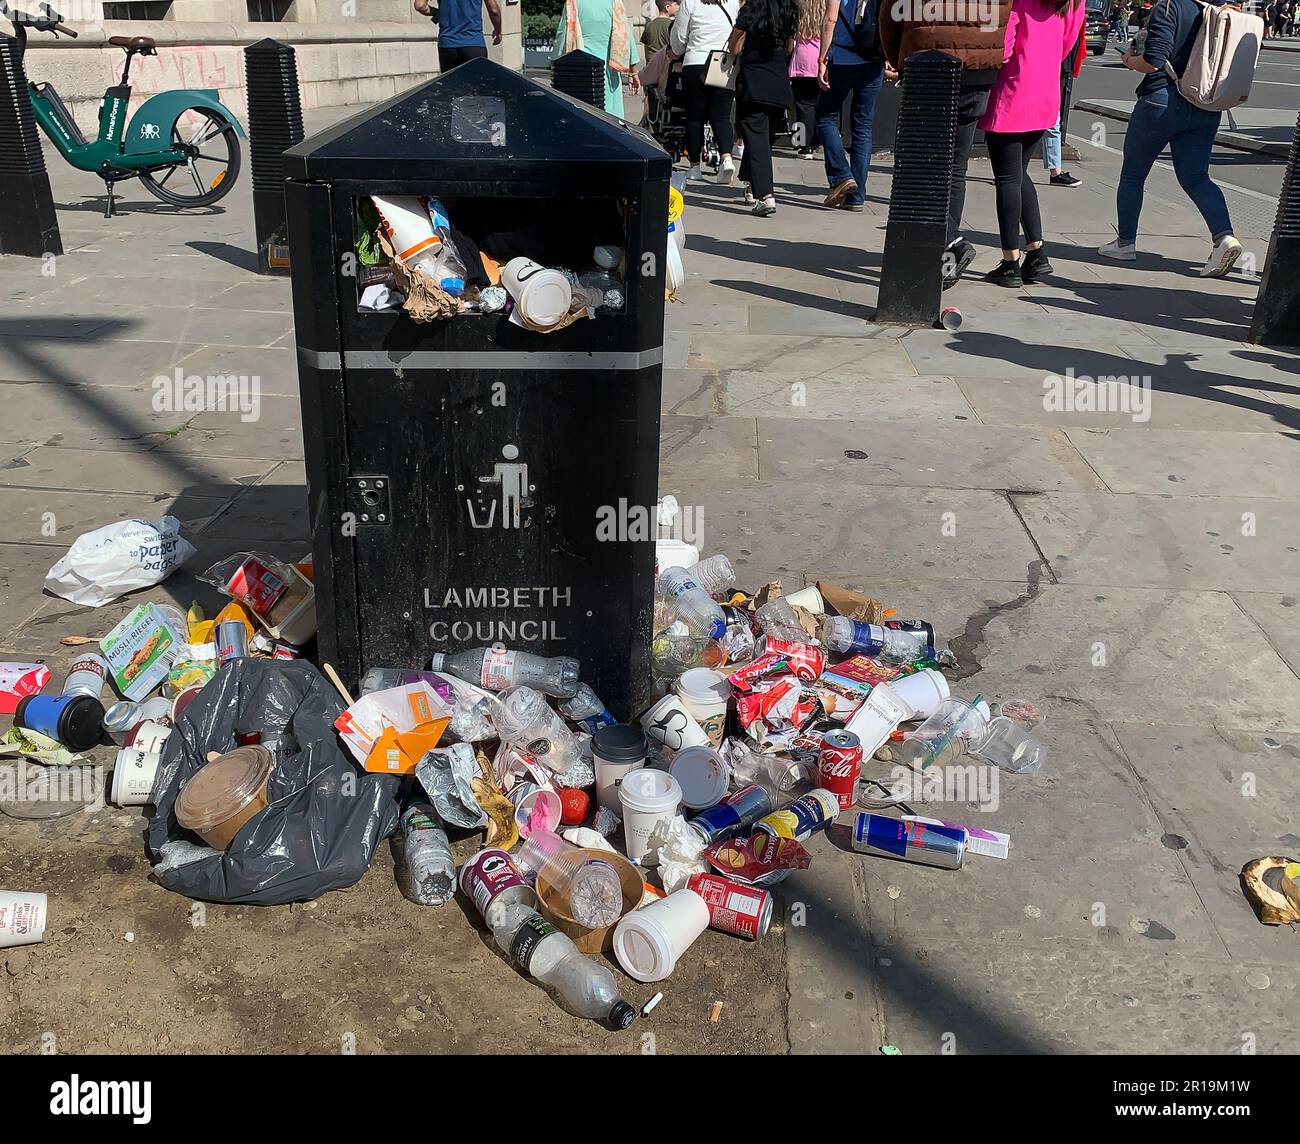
pixel 325 816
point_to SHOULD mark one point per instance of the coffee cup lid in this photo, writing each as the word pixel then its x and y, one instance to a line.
pixel 620 743
pixel 703 776
pixel 223 787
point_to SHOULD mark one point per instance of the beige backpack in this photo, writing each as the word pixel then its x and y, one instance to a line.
pixel 1224 56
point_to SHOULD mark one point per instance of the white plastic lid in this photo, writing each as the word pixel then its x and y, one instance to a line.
pixel 703 776
pixel 643 949
pixel 647 789
pixel 607 257
pixel 704 684
pixel 545 297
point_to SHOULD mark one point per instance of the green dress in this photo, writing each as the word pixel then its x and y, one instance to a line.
pixel 596 19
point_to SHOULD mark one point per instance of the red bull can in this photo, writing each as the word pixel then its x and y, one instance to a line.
pixel 815 811
pixel 232 641
pixel 911 840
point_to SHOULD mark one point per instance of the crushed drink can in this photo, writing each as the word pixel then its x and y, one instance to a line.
pixel 735 813
pixel 815 811
pixel 839 766
pixel 745 911
pixel 807 661
pixel 909 839
pixel 232 641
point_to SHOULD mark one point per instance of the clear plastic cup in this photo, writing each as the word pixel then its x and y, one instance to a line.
pixel 956 727
pixel 1011 747
pixel 590 888
pixel 537 849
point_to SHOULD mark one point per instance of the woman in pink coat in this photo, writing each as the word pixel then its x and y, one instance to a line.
pixel 1024 104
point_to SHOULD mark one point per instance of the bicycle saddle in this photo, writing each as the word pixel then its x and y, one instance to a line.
pixel 143 44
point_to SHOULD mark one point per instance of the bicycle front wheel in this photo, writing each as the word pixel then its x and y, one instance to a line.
pixel 212 161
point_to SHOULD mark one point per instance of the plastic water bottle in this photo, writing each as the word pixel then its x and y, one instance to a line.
pixel 587 710
pixel 854 637
pixel 382 678
pixel 779 620
pixel 714 574
pixel 496 668
pixel 587 988
pixel 431 870
pixel 525 720
pixel 699 611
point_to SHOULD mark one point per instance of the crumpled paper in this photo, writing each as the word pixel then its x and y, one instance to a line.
pixel 446 774
pixel 587 838
pixel 679 849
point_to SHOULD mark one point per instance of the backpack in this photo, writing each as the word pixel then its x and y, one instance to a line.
pixel 1224 55
pixel 865 31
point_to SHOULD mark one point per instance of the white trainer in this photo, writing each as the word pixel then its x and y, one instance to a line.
pixel 1120 251
pixel 1226 251
pixel 726 172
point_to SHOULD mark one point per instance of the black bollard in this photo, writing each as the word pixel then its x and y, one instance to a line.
pixel 274 125
pixel 911 269
pixel 28 224
pixel 580 76
pixel 1276 321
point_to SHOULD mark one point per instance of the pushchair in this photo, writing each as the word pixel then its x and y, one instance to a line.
pixel 665 118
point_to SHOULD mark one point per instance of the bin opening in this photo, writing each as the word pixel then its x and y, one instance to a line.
pixel 539 260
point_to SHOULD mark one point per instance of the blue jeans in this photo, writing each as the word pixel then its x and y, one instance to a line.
pixel 1052 147
pixel 1164 117
pixel 864 81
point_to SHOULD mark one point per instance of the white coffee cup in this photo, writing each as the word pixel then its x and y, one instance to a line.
pixel 543 296
pixel 405 221
pixel 615 753
pixel 648 941
pixel 923 692
pixel 22 918
pixel 809 598
pixel 649 798
pixel 670 723
pixel 704 693
pixel 134 773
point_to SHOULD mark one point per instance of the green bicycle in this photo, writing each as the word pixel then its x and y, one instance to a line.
pixel 187 135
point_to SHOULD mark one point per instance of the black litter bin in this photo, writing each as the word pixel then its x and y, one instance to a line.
pixel 471 481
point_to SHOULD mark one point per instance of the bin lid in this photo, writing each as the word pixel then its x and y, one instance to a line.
pixel 480 121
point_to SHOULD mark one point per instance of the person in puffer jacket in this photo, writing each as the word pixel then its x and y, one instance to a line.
pixel 978 39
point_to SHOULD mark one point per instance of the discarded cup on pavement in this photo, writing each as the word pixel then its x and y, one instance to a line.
pixel 950 318
pixel 704 693
pixel 1011 747
pixel 649 798
pixel 76 721
pixel 670 723
pixel 809 598
pixel 648 942
pixel 134 773
pixel 922 691
pixel 956 727
pixel 536 808
pixel 616 751
pixel 22 918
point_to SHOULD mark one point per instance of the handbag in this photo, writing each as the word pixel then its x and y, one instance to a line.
pixel 722 68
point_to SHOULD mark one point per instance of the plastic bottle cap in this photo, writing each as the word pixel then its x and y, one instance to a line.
pixel 620 744
pixel 622 1015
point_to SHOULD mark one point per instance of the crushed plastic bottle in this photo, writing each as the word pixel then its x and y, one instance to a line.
pixel 699 611
pixel 525 720
pixel 430 869
pixel 587 710
pixel 714 574
pixel 889 645
pixel 779 620
pixel 497 668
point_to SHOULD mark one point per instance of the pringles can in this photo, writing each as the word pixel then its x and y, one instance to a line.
pixel 745 911
pixel 492 876
pixel 912 841
pixel 815 811
pixel 839 765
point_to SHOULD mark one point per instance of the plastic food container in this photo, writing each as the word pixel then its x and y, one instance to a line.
pixel 225 794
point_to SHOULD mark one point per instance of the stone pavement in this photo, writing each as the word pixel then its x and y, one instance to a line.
pixel 1132 570
pixel 1267 130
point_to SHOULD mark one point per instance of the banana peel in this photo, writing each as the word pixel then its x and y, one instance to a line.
pixel 501 828
pixel 1272 907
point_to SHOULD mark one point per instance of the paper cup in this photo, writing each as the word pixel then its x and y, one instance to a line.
pixel 705 693
pixel 406 223
pixel 22 918
pixel 809 598
pixel 543 296
pixel 133 776
pixel 649 798
pixel 670 723
pixel 616 752
pixel 648 941
pixel 531 800
pixel 922 692
pixel 148 736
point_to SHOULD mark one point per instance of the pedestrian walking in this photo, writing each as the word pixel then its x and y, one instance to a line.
pixel 851 63
pixel 601 29
pixel 803 76
pixel 981 47
pixel 460 29
pixel 654 36
pixel 1163 118
pixel 1024 103
pixel 1119 20
pixel 1057 176
pixel 764 35
pixel 701 28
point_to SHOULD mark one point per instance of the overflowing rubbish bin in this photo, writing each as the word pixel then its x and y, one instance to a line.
pixel 481 460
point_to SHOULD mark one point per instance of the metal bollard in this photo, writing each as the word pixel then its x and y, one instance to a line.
pixel 911 270
pixel 28 224
pixel 274 125
pixel 580 76
pixel 1276 320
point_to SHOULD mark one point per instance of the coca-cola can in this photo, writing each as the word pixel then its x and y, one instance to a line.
pixel 734 907
pixel 806 661
pixel 839 765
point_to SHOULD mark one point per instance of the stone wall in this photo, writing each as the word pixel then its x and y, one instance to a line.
pixel 349 61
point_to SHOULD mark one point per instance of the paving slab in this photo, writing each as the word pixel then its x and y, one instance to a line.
pixel 798 357
pixel 49 467
pixel 1221 543
pixel 53 519
pixel 274 431
pixel 83 416
pixel 1275 613
pixel 42 358
pixel 721 445
pixel 831 396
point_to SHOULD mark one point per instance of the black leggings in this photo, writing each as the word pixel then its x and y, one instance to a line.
pixel 1016 197
pixel 449 58
pixel 705 102
pixel 758 123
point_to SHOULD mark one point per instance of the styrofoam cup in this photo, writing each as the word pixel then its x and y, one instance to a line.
pixel 648 797
pixel 543 296
pixel 22 918
pixel 670 723
pixel 705 693
pixel 923 692
pixel 648 941
pixel 809 598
